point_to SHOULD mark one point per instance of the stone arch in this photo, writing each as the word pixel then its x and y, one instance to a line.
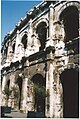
pixel 36 80
pixel 13 47
pixel 39 85
pixel 67 4
pixel 24 40
pixel 42 20
pixel 70 18
pixel 70 83
pixel 37 72
pixel 19 82
pixel 41 30
pixel 5 51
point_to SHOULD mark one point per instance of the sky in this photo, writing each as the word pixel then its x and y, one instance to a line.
pixel 12 12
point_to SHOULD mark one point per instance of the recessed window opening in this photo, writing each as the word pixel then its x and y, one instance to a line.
pixel 70 18
pixel 19 83
pixel 39 92
pixel 24 41
pixel 5 51
pixel 13 47
pixel 8 83
pixel 42 34
pixel 70 83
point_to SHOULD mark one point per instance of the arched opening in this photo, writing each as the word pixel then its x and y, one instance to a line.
pixel 8 83
pixel 19 82
pixel 13 47
pixel 39 93
pixel 5 51
pixel 70 18
pixel 24 41
pixel 70 83
pixel 42 34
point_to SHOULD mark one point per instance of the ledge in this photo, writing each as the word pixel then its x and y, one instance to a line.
pixel 41 54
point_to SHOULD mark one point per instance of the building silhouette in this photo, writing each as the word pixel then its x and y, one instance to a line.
pixel 40 61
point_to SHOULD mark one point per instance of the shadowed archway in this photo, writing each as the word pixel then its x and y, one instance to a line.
pixel 39 93
pixel 70 19
pixel 24 41
pixel 19 82
pixel 42 34
pixel 70 83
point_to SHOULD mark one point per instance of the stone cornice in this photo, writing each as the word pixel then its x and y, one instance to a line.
pixel 39 57
pixel 32 58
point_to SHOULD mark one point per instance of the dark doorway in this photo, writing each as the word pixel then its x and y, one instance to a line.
pixel 13 47
pixel 19 83
pixel 70 83
pixel 24 41
pixel 8 83
pixel 39 90
pixel 42 34
pixel 70 18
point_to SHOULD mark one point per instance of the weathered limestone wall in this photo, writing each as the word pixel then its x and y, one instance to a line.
pixel 54 105
pixel 49 65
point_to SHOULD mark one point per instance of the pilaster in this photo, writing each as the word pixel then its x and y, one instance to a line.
pixel 54 103
pixel 51 20
pixel 58 92
pixel 16 46
pixel 30 33
pixel 51 17
pixel 12 84
pixel 24 95
pixel 4 82
pixel 47 106
pixel 10 53
pixel 51 80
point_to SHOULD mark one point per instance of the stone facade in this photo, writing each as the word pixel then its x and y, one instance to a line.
pixel 42 52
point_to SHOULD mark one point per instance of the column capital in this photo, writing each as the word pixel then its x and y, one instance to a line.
pixel 17 32
pixel 51 5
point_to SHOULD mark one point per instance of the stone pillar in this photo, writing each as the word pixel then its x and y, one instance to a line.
pixel 51 80
pixel 4 81
pixel 35 43
pixel 51 20
pixel 58 102
pixel 16 46
pixel 10 53
pixel 54 101
pixel 47 106
pixel 12 84
pixel 51 17
pixel 30 97
pixel 24 95
pixel 30 33
pixel 12 79
pixel 21 51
